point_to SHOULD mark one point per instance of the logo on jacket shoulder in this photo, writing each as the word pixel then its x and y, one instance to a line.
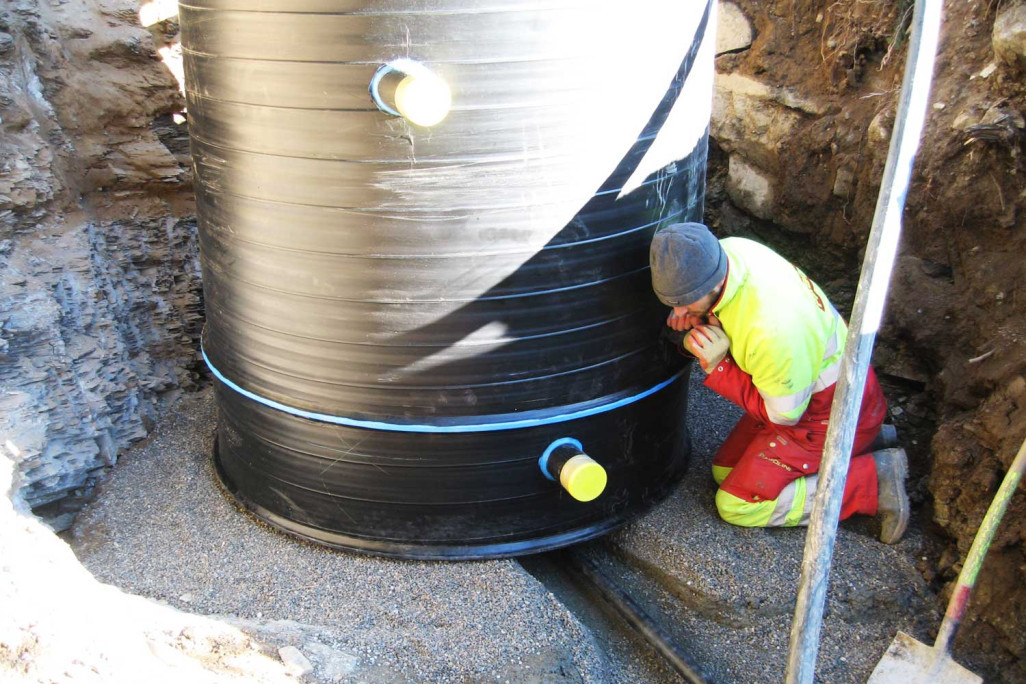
pixel 776 462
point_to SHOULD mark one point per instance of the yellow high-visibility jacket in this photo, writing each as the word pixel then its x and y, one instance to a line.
pixel 783 330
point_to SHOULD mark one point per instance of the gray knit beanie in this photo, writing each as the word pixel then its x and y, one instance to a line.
pixel 687 263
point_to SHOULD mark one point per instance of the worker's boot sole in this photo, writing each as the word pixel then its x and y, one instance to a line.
pixel 892 499
pixel 885 439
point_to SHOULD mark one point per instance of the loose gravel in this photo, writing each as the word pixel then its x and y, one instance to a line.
pixel 162 528
pixel 728 593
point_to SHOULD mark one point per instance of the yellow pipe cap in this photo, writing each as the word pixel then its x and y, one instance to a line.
pixel 583 478
pixel 423 99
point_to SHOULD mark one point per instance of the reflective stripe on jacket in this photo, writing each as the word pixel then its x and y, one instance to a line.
pixel 783 330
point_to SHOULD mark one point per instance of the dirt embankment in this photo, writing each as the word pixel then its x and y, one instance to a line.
pixel 953 347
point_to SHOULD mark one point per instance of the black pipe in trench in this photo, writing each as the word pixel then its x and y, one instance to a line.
pixel 587 571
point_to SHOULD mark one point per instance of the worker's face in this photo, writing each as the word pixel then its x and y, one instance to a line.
pixel 695 314
pixel 699 309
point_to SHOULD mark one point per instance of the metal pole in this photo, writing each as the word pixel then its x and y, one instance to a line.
pixel 865 321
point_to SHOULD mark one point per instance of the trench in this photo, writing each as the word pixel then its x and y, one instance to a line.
pixel 626 651
pixel 630 654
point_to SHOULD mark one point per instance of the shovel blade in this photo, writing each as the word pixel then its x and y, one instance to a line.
pixel 908 661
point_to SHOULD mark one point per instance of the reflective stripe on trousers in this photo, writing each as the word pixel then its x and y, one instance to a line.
pixel 767 472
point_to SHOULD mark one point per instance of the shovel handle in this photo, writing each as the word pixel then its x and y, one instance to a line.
pixel 981 544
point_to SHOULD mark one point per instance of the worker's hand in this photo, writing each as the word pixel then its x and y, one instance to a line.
pixel 709 344
pixel 681 323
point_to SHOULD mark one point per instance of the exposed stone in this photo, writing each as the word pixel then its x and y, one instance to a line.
pixel 844 182
pixel 749 188
pixel 295 662
pixel 954 332
pixel 738 84
pixel 879 131
pixel 745 120
pixel 966 118
pixel 1009 37
pixel 741 85
pixel 332 665
pixel 752 121
pixel 733 30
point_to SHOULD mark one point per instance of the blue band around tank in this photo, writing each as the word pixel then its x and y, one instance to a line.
pixel 467 427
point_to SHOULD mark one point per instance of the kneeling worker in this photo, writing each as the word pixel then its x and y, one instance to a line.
pixel 770 341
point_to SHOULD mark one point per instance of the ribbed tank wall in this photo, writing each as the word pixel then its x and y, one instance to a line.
pixel 401 319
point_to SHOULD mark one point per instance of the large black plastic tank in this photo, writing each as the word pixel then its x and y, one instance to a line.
pixel 403 319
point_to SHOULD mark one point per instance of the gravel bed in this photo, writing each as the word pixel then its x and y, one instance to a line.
pixel 162 528
pixel 728 593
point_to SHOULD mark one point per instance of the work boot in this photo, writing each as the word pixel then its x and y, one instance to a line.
pixel 892 500
pixel 886 438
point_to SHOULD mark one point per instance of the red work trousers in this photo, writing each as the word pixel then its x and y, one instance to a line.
pixel 766 457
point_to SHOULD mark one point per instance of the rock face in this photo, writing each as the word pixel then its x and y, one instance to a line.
pixel 753 122
pixel 100 306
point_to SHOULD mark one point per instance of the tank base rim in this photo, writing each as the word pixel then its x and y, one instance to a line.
pixel 406 550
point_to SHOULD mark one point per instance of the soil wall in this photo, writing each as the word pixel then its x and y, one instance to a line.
pixel 803 119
